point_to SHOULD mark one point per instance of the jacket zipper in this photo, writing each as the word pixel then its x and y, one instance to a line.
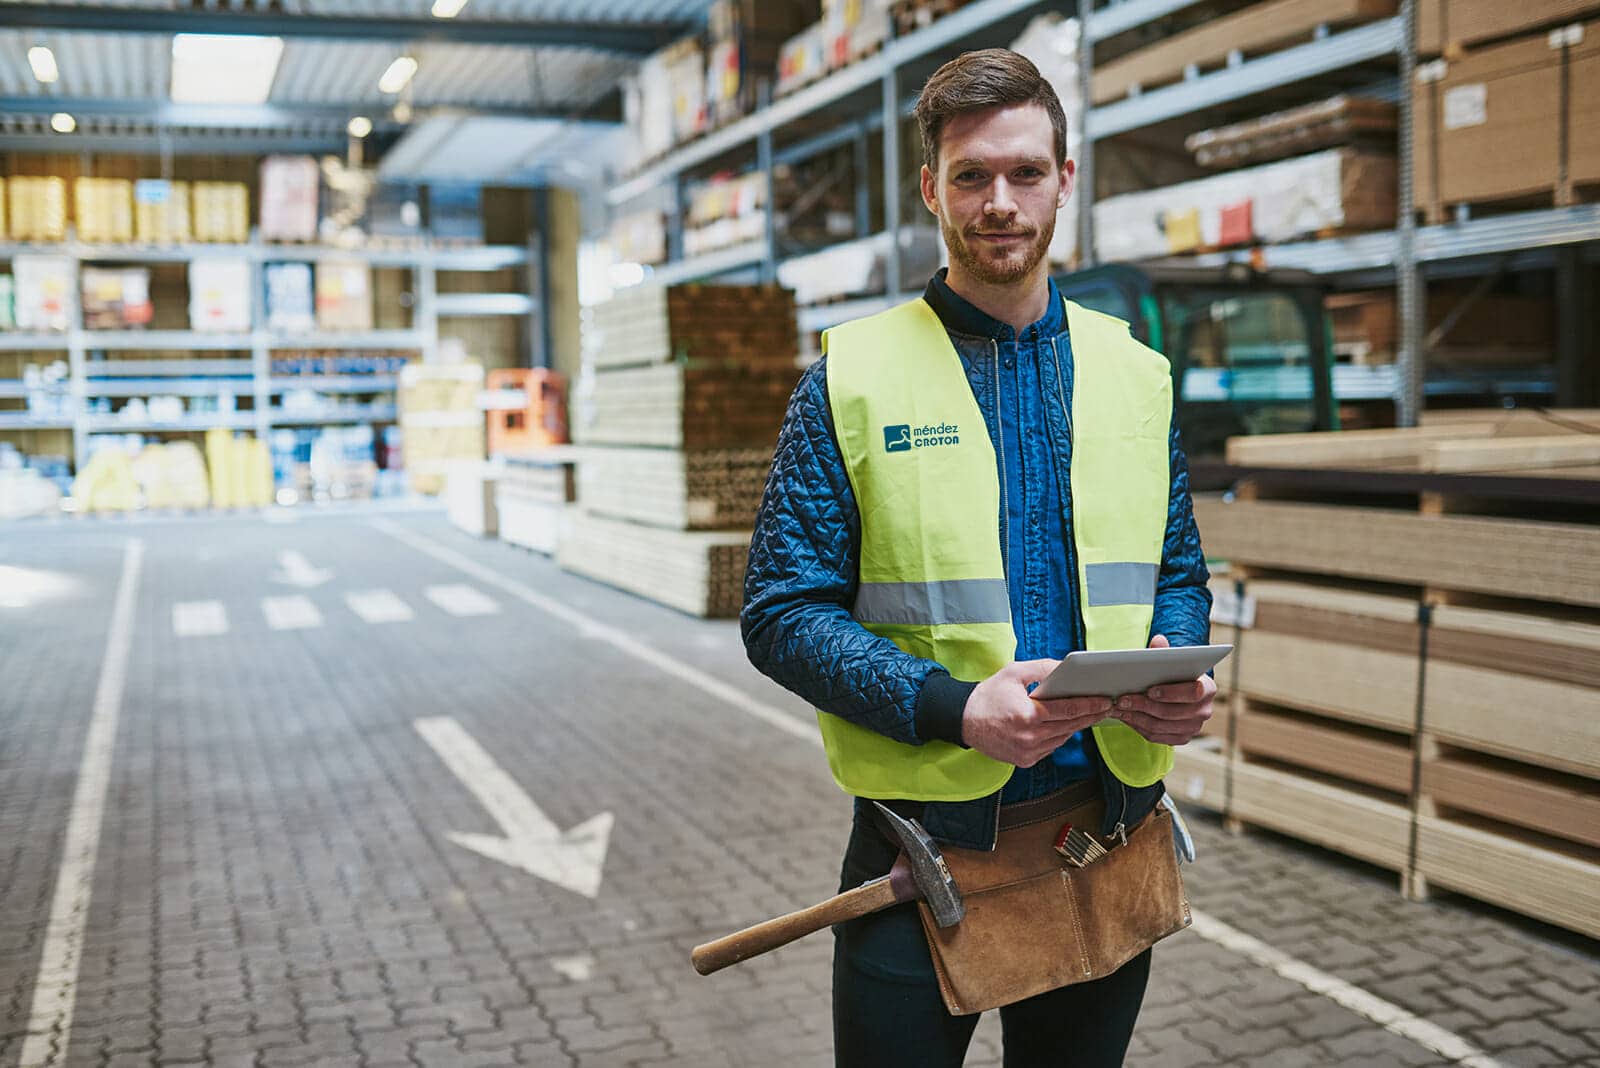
pixel 1005 492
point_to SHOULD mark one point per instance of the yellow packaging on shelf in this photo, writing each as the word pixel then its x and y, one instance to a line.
pixel 1183 231
pixel 2 209
pixel 161 211
pixel 106 483
pixel 103 208
pixel 221 212
pixel 241 470
pixel 38 209
pixel 173 476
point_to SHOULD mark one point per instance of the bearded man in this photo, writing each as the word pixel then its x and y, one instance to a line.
pixel 966 488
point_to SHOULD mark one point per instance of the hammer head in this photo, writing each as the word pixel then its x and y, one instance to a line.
pixel 928 869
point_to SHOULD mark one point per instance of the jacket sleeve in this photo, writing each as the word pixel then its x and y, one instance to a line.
pixel 800 585
pixel 1183 601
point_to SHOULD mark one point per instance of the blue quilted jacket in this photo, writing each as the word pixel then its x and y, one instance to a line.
pixel 801 581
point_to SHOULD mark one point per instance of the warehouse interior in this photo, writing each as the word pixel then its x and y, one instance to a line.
pixel 388 390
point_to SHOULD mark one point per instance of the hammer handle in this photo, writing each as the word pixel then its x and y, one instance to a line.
pixel 753 941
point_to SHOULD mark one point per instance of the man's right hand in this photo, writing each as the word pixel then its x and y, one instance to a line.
pixel 1001 721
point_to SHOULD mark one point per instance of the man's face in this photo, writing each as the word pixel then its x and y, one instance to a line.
pixel 997 191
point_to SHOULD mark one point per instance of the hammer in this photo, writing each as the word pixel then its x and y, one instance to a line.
pixel 919 872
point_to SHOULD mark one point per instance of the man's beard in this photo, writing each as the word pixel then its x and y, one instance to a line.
pixel 1012 269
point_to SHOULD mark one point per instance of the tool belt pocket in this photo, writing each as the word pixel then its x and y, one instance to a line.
pixel 1037 922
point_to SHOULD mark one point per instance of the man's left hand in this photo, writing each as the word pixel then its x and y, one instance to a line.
pixel 1170 714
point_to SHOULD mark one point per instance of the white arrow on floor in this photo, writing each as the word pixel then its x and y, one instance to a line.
pixel 531 841
pixel 296 570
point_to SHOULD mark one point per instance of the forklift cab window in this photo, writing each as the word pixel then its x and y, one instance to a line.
pixel 1245 366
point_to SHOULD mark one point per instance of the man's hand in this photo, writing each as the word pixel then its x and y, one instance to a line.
pixel 1171 714
pixel 1001 721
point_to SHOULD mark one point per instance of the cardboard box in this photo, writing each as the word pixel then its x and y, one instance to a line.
pixel 44 291
pixel 1489 124
pixel 38 208
pixel 103 208
pixel 290 307
pixel 219 295
pixel 344 296
pixel 1451 24
pixel 289 186
pixel 116 298
pixel 161 212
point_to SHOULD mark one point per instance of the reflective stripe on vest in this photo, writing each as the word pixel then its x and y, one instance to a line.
pixel 932 580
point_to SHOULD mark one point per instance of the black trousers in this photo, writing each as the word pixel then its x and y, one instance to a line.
pixel 887 1011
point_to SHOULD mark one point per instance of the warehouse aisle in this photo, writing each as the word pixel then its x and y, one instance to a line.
pixel 345 745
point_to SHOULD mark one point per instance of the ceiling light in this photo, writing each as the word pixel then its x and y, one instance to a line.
pixel 399 73
pixel 61 122
pixel 447 9
pixel 360 126
pixel 212 68
pixel 43 62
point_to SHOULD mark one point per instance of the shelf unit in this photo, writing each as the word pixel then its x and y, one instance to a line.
pixel 869 97
pixel 251 373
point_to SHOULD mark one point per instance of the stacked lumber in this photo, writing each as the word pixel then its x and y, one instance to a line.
pixel 440 421
pixel 531 497
pixel 687 389
pixel 1417 680
pixel 698 572
pixel 1465 329
pixel 1339 120
pixel 707 489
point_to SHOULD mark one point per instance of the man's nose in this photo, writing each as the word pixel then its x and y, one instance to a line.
pixel 1001 202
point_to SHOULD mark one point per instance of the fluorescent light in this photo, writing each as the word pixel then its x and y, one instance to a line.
pixel 43 62
pixel 359 126
pixel 447 9
pixel 61 122
pixel 399 73
pixel 212 68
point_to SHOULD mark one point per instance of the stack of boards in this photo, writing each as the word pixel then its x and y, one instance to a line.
pixel 689 387
pixel 1417 616
pixel 531 498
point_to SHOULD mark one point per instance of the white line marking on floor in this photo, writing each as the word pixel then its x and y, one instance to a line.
pixel 378 606
pixel 461 600
pixel 199 619
pixel 55 989
pixel 290 613
pixel 1429 1036
pixel 620 640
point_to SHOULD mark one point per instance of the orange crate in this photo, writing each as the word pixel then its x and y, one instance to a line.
pixel 540 422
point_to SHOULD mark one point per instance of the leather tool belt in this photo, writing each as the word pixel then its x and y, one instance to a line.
pixel 1038 919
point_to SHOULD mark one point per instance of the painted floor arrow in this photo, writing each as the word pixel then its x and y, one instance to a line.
pixel 296 570
pixel 531 841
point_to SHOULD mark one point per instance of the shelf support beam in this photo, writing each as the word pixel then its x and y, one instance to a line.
pixel 1412 358
pixel 891 179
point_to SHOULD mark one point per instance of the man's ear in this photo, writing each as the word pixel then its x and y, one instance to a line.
pixel 1069 179
pixel 930 190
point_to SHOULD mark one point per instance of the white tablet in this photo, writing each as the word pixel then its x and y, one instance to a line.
pixel 1115 672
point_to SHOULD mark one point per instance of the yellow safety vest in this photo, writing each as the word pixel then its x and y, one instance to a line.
pixel 933 578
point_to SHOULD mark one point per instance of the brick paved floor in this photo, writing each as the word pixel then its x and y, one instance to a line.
pixel 276 884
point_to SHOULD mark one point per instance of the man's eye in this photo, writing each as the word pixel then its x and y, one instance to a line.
pixel 1029 172
pixel 968 176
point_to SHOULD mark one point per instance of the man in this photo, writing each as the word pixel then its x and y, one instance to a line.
pixel 966 488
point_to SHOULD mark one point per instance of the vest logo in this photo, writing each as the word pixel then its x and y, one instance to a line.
pixel 904 437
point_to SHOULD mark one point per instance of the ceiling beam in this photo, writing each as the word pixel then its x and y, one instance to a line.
pixel 258 116
pixel 633 38
pixel 144 143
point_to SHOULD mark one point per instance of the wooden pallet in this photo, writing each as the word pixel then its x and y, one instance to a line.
pixel 713 489
pixel 698 573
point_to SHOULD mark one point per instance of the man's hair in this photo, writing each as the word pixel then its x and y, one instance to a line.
pixel 977 81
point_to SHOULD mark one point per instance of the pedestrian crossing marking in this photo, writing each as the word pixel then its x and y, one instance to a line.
pixel 460 599
pixel 290 613
pixel 199 619
pixel 378 606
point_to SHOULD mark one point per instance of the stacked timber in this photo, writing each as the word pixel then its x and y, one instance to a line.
pixel 1418 631
pixel 687 389
pixel 532 495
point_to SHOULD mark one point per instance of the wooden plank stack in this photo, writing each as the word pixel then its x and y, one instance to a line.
pixel 532 496
pixel 1416 681
pixel 688 387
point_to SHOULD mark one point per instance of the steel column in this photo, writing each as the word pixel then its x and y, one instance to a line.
pixel 1413 363
pixel 891 179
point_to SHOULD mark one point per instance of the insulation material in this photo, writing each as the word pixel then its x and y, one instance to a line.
pixel 161 211
pixel 38 208
pixel 290 308
pixel 857 267
pixel 219 295
pixel 803 59
pixel 647 110
pixel 103 209
pixel 640 237
pixel 439 419
pixel 1336 190
pixel 1051 42
pixel 221 212
pixel 43 292
pixel 726 211
pixel 289 187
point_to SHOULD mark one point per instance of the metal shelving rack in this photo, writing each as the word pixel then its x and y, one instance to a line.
pixel 253 378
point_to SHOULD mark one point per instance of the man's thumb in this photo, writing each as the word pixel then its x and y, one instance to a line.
pixel 1159 642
